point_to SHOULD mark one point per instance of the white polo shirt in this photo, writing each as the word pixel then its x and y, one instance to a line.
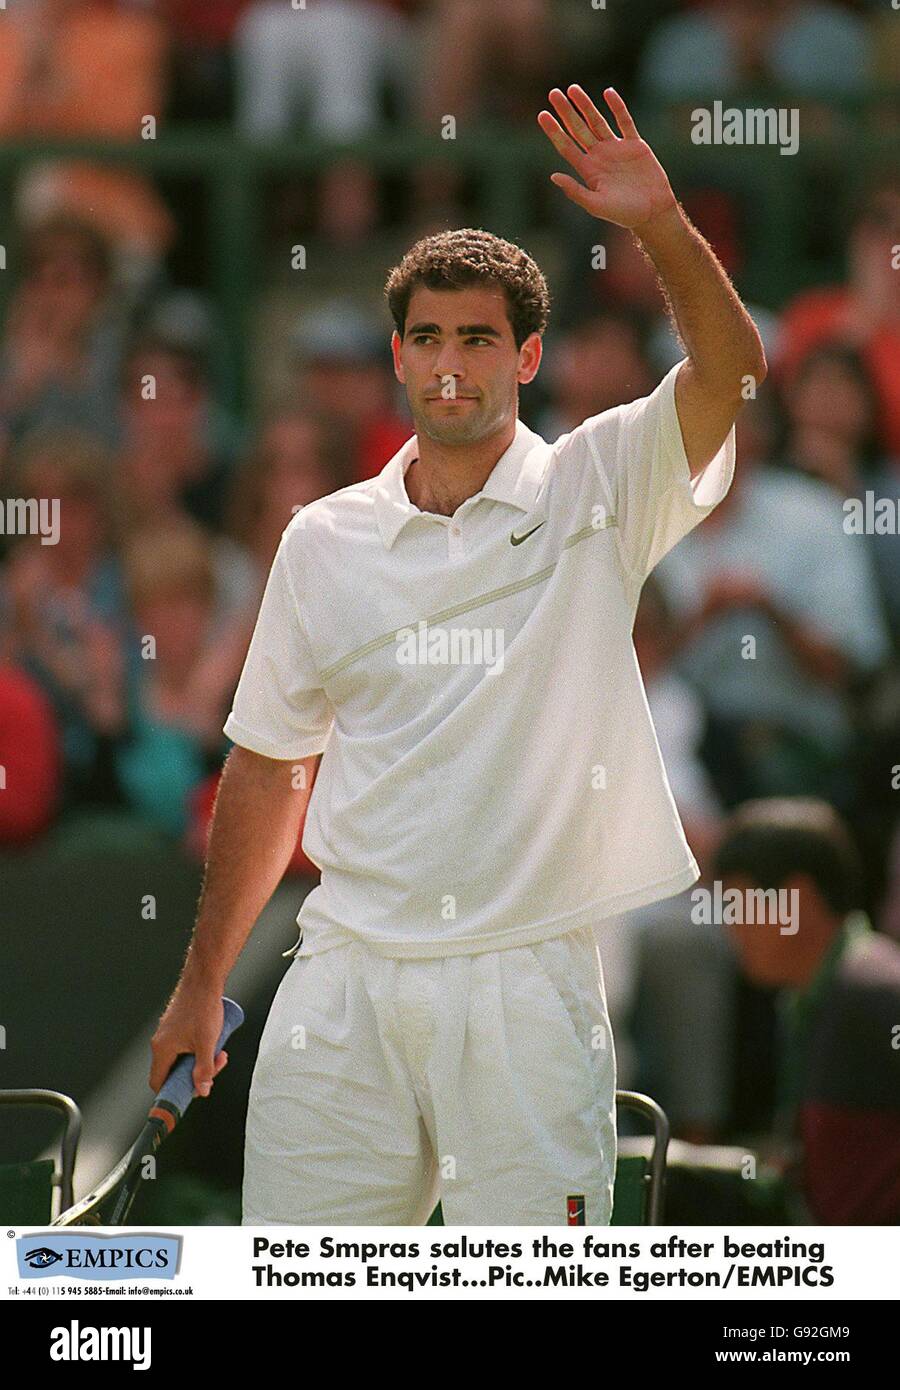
pixel 491 776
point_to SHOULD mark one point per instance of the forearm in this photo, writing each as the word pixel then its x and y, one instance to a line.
pixel 717 333
pixel 256 821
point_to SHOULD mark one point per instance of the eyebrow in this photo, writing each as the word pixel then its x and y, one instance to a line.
pixel 466 330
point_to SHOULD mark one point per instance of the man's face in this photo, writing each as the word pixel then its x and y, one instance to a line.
pixel 460 365
pixel 781 954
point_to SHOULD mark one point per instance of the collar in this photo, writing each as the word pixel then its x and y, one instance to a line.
pixel 515 478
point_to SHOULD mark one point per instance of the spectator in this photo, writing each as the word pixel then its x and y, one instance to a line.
pixel 780 617
pixel 30 758
pixel 598 364
pixel 66 606
pixel 295 461
pixel 62 342
pixel 169 471
pixel 833 435
pixel 810 48
pixel 839 1072
pixel 170 442
pixel 183 679
pixel 864 313
pixel 341 368
pixel 88 68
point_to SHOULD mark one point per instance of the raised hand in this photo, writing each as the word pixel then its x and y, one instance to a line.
pixel 622 180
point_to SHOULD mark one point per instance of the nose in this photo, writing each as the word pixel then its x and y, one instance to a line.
pixel 448 363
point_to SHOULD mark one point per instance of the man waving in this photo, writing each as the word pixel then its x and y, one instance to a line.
pixel 454 638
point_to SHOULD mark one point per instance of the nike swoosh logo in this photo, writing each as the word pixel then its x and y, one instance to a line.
pixel 517 540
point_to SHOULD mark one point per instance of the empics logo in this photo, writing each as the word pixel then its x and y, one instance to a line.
pixel 89 1255
pixel 77 1343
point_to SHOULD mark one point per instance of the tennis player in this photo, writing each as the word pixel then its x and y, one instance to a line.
pixel 453 637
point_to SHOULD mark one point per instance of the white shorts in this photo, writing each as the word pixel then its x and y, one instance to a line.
pixel 487 1081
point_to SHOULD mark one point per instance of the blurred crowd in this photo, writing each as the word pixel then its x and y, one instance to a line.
pixel 121 644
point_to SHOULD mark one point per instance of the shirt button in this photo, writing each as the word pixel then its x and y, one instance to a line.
pixel 455 530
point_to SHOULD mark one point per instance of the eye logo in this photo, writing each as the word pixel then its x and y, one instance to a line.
pixel 42 1257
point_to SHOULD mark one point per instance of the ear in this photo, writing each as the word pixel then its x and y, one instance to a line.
pixel 529 358
pixel 395 353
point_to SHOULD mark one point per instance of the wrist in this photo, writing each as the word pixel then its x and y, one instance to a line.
pixel 665 225
pixel 201 977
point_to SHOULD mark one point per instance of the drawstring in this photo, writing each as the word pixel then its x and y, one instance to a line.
pixel 296 947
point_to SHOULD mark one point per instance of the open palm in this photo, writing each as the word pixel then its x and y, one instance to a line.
pixel 622 180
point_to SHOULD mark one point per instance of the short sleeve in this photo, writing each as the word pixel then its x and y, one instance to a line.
pixel 639 451
pixel 280 709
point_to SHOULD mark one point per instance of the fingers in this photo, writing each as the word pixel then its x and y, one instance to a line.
pixel 206 1069
pixel 582 120
pixel 576 127
pixel 163 1062
pixel 595 119
pixel 574 190
pixel 621 113
pixel 562 143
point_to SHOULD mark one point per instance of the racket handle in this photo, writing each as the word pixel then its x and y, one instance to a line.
pixel 178 1087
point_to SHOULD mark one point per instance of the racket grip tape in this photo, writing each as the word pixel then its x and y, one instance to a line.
pixel 178 1088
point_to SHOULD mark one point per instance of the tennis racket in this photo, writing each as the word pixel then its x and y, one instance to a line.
pixel 110 1201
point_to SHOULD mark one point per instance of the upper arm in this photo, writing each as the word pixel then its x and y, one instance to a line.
pixel 639 452
pixel 705 417
pixel 280 709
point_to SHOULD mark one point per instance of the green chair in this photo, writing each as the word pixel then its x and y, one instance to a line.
pixel 639 1188
pixel 26 1189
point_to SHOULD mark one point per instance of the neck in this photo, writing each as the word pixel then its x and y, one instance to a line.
pixel 444 475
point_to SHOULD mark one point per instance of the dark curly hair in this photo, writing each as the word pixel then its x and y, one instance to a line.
pixel 471 256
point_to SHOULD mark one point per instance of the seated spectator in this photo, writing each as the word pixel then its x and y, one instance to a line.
pixel 168 470
pixel 169 435
pixel 87 68
pixel 811 48
pixel 779 617
pixel 598 364
pixel 833 435
pixel 342 368
pixel 30 758
pixel 62 342
pixel 297 459
pixel 863 314
pixel 183 674
pixel 839 1070
pixel 65 604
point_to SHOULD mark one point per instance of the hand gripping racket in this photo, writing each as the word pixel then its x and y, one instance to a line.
pixel 110 1201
